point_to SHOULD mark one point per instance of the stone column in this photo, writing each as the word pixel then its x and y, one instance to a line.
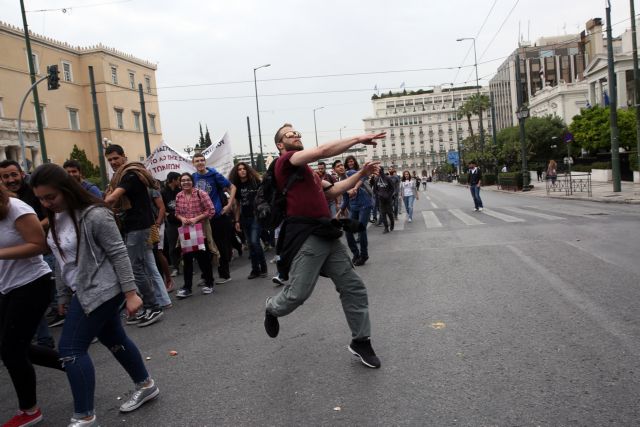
pixel 591 95
pixel 599 95
pixel 3 154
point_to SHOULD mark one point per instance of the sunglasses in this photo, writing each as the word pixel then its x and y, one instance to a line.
pixel 292 134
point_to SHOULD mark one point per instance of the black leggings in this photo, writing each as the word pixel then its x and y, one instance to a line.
pixel 386 211
pixel 20 312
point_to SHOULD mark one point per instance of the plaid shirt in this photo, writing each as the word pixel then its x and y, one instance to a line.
pixel 197 204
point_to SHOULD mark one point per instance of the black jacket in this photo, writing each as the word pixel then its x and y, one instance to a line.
pixel 475 178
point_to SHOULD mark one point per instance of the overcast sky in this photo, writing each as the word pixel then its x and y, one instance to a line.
pixel 214 46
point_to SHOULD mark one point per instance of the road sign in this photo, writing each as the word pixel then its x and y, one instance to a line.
pixel 568 137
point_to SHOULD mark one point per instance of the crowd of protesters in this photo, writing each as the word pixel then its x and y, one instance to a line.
pixel 74 256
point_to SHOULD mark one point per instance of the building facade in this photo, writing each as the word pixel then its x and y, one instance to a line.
pixel 423 128
pixel 549 62
pixel 67 113
pixel 564 100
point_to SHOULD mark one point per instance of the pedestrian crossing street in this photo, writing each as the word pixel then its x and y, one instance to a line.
pixel 436 218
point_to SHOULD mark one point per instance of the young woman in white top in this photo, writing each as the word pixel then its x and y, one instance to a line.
pixel 25 293
pixel 84 233
pixel 409 193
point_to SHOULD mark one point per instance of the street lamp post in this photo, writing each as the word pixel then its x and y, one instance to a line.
pixel 343 127
pixel 475 60
pixel 255 84
pixel 315 127
pixel 522 114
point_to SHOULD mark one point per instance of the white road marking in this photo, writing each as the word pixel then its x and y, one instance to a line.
pixel 467 219
pixel 431 220
pixel 503 217
pixel 532 213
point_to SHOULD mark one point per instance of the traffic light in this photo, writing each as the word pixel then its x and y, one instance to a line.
pixel 53 80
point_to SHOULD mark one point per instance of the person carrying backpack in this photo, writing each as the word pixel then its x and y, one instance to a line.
pixel 310 239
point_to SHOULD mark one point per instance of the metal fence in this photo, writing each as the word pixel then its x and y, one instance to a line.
pixel 570 183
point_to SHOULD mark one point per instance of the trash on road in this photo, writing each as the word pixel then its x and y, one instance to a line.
pixel 337 408
pixel 173 353
pixel 438 325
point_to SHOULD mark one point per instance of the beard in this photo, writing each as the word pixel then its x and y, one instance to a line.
pixel 293 147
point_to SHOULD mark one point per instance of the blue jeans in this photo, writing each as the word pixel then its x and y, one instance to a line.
pixel 252 231
pixel 408 204
pixel 143 265
pixel 362 215
pixel 475 193
pixel 78 331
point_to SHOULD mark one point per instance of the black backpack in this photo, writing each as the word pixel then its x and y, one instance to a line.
pixel 271 203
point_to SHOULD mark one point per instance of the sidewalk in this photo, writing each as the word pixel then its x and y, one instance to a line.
pixel 600 192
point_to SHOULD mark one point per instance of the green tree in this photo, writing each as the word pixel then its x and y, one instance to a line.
pixel 466 110
pixel 591 129
pixel 200 143
pixel 89 170
pixel 207 139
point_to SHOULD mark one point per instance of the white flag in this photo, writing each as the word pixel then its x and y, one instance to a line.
pixel 219 155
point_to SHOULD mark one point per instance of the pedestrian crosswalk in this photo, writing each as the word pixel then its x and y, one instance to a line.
pixel 443 218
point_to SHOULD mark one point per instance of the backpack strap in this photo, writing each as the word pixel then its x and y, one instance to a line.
pixel 297 175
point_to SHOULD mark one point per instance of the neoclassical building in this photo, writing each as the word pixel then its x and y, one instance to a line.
pixel 422 127
pixel 67 113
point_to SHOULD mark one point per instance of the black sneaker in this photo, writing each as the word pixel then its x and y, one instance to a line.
pixel 360 261
pixel 136 318
pixel 151 317
pixel 253 275
pixel 385 231
pixel 363 349
pixel 271 324
pixel 57 320
pixel 355 258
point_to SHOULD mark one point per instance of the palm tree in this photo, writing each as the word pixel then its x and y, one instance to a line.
pixel 466 110
pixel 479 104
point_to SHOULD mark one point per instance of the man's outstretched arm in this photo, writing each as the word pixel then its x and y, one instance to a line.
pixel 340 187
pixel 333 148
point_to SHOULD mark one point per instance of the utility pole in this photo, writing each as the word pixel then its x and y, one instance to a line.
pixel 636 80
pixel 96 120
pixel 145 129
pixel 613 107
pixel 522 114
pixel 32 73
pixel 253 164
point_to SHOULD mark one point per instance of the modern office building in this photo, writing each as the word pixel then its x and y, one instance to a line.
pixel 423 128
pixel 67 113
pixel 548 62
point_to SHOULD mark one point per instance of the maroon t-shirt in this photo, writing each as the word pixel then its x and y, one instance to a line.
pixel 305 197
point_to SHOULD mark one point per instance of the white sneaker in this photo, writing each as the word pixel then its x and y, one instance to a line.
pixel 480 209
pixel 410 220
pixel 222 280
pixel 206 290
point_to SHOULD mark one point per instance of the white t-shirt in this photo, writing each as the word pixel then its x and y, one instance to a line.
pixel 69 244
pixel 18 272
pixel 407 187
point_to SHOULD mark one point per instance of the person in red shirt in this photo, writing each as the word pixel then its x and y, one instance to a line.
pixel 309 242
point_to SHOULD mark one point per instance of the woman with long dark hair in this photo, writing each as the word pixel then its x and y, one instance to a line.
pixel 194 206
pixel 409 193
pixel 247 181
pixel 94 280
pixel 25 292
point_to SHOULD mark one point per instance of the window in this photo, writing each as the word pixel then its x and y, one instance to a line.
pixel 119 119
pixel 114 75
pixel 67 75
pixel 147 83
pixel 152 123
pixel 132 80
pixel 136 121
pixel 74 121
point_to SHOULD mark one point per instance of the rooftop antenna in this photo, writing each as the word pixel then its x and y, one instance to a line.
pixel 528 30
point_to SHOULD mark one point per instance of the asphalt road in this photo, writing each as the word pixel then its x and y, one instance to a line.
pixel 524 314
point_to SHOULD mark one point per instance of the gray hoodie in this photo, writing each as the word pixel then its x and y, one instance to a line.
pixel 104 267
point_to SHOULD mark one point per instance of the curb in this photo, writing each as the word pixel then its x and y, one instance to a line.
pixel 597 199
